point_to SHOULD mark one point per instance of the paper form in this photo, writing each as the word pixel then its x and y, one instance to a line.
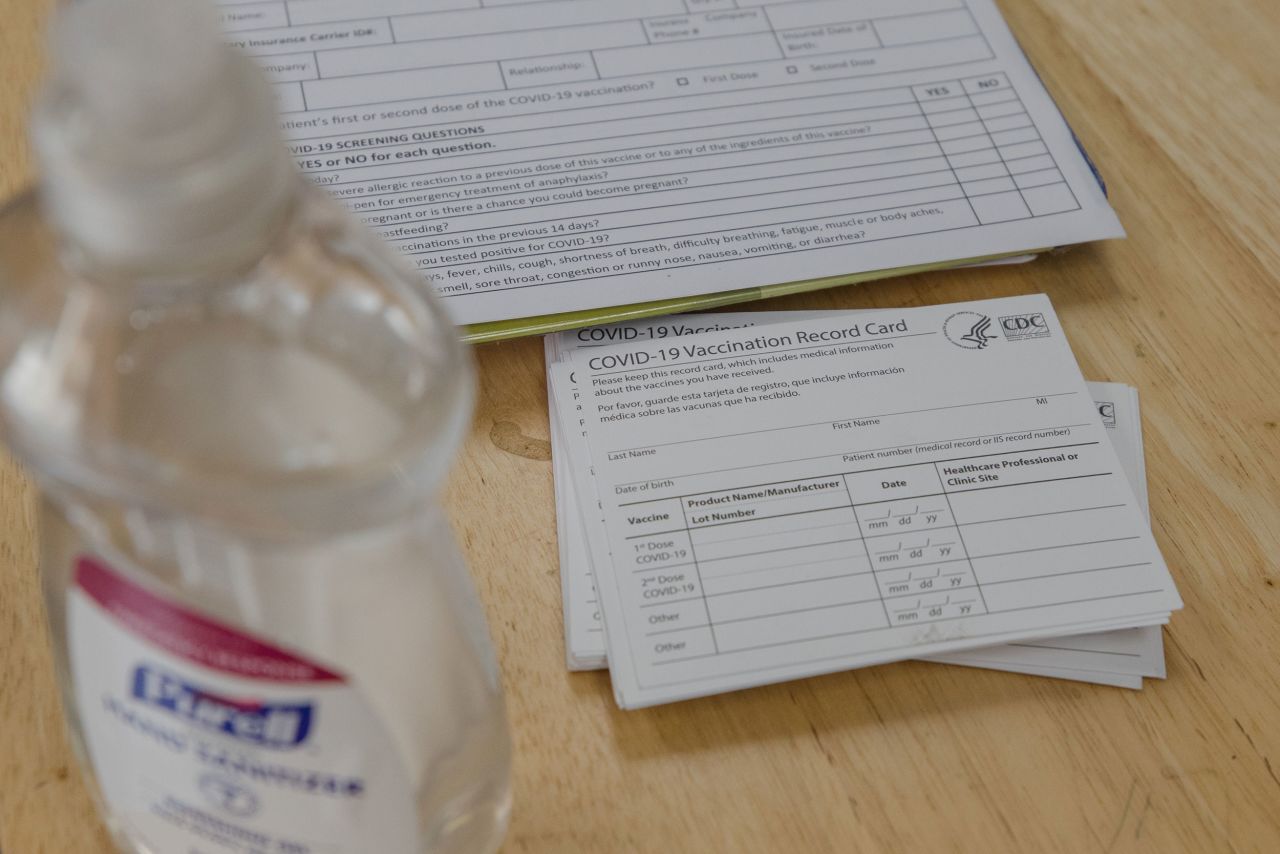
pixel 801 533
pixel 559 155
pixel 1120 657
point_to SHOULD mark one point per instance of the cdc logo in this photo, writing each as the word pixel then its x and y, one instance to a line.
pixel 1017 327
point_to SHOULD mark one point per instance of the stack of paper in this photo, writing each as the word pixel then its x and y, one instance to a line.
pixel 748 498
pixel 558 163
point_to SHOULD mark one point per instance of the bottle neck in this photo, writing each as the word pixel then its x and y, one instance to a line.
pixel 185 266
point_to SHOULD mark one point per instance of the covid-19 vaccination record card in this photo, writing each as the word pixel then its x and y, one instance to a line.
pixel 786 500
pixel 1119 657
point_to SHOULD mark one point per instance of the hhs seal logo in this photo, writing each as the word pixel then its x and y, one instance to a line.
pixel 969 330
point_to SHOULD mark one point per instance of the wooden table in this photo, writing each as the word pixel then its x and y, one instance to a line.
pixel 1179 101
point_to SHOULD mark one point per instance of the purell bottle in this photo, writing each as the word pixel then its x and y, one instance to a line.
pixel 238 406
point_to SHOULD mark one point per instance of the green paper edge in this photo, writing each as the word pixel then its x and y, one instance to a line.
pixel 499 330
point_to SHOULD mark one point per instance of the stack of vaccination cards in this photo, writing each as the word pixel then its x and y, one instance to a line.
pixel 753 497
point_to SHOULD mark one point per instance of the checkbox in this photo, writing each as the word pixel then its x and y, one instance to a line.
pixel 682 81
pixel 791 69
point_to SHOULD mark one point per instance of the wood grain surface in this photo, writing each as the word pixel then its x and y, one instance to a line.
pixel 1179 103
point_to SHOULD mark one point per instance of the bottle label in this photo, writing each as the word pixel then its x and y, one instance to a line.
pixel 205 739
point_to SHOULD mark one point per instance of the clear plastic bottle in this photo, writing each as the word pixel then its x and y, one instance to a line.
pixel 238 405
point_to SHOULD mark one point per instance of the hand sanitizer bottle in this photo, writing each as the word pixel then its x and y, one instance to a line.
pixel 238 406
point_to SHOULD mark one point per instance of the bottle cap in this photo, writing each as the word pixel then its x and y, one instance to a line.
pixel 159 144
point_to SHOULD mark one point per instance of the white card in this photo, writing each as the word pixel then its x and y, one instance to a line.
pixel 769 495
pixel 1118 657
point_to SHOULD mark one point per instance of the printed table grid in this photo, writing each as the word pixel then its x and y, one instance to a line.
pixel 623 37
pixel 769 148
pixel 853 559
pixel 882 150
